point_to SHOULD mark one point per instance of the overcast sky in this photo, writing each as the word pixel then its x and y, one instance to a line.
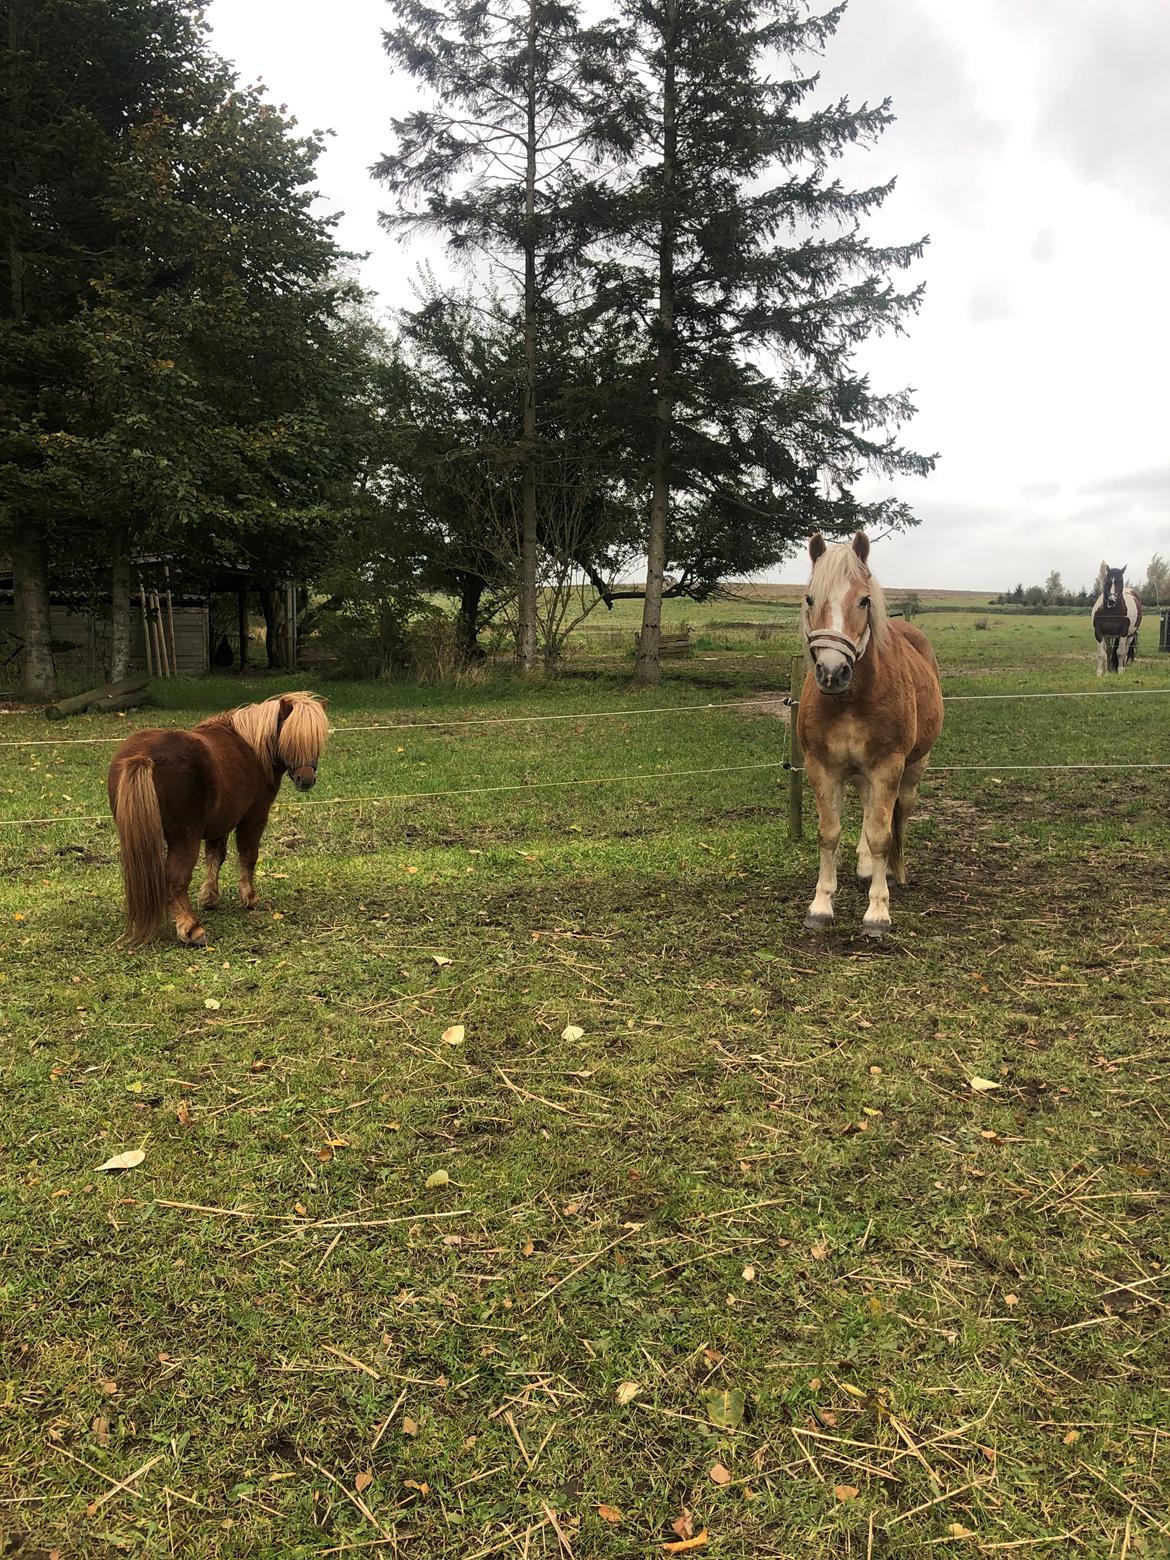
pixel 1032 145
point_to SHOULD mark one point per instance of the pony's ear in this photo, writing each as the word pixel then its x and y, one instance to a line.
pixel 816 546
pixel 861 545
pixel 283 710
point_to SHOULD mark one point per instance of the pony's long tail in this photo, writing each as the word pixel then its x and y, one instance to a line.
pixel 144 850
pixel 896 861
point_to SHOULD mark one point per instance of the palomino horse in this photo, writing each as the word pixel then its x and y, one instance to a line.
pixel 171 789
pixel 870 712
pixel 1117 614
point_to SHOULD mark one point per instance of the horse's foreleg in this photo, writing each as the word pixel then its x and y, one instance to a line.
pixel 1102 660
pixel 828 788
pixel 864 854
pixel 879 833
pixel 248 849
pixel 214 853
pixel 182 855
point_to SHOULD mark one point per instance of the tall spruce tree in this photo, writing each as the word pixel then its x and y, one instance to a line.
pixel 514 114
pixel 731 238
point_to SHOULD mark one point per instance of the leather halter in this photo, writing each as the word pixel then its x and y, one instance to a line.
pixel 829 639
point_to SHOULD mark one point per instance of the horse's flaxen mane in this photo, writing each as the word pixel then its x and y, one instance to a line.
pixel 837 567
pixel 301 737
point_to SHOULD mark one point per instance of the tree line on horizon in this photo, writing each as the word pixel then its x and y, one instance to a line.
pixel 647 351
pixel 1153 589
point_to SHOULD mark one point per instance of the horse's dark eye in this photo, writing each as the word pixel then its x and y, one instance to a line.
pixel 808 601
pixel 864 602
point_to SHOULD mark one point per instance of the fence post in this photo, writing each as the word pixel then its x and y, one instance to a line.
pixel 796 773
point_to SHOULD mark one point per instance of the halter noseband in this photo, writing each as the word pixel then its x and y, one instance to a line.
pixel 829 639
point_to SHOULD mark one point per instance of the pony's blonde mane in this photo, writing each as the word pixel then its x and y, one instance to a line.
pixel 837 567
pixel 301 738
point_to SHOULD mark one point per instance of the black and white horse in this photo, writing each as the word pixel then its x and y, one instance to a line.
pixel 1117 613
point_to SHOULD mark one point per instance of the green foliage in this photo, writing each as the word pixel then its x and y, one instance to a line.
pixel 181 354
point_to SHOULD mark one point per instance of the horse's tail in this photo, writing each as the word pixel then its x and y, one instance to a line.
pixel 144 849
pixel 896 861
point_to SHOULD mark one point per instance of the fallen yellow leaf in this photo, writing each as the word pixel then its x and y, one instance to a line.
pixel 609 1513
pixel 845 1492
pixel 685 1545
pixel 719 1474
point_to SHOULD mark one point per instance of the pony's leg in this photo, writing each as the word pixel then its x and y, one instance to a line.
pixel 884 786
pixel 248 849
pixel 214 853
pixel 1102 654
pixel 182 855
pixel 829 789
pixel 907 802
pixel 864 854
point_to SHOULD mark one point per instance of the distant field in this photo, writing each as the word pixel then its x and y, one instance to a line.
pixel 700 1223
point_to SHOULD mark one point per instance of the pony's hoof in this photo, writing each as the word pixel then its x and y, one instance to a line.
pixel 875 929
pixel 814 923
pixel 195 938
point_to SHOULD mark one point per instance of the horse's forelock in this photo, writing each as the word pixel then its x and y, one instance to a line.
pixel 304 730
pixel 839 567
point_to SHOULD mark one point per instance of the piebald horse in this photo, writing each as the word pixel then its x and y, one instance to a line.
pixel 870 712
pixel 1117 615
pixel 169 790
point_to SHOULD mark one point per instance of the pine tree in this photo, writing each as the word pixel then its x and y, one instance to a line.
pixel 514 114
pixel 729 235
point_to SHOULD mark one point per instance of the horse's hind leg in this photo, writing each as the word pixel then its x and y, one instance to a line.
pixel 214 853
pixel 903 812
pixel 828 789
pixel 182 855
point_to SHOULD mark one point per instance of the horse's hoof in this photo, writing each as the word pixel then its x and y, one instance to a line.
pixel 875 929
pixel 814 923
pixel 196 938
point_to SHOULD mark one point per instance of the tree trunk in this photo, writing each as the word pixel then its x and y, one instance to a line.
pixel 526 633
pixel 119 606
pixel 242 621
pixel 30 580
pixel 467 620
pixel 275 640
pixel 648 669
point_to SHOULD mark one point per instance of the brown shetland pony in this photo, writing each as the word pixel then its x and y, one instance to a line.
pixel 870 712
pixel 171 789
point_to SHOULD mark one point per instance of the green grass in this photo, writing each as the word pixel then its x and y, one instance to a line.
pixel 760 1168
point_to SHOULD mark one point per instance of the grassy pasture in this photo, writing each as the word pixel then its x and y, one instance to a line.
pixel 749 1246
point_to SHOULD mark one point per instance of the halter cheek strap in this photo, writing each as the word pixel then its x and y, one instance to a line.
pixel 829 639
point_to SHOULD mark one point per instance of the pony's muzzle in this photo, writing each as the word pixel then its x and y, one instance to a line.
pixel 304 778
pixel 834 676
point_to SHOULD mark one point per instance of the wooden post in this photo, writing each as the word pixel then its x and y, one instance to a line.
pixel 160 629
pixel 171 621
pixel 146 630
pixel 796 773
